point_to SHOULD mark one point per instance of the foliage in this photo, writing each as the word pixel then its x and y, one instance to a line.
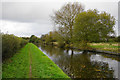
pixel 113 47
pixel 49 38
pixel 11 44
pixel 23 42
pixel 17 66
pixel 112 39
pixel 118 38
pixel 64 19
pixel 93 26
pixel 26 38
pixel 34 39
pixel 41 67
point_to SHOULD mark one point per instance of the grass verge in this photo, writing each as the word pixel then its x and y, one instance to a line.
pixel 113 47
pixel 41 66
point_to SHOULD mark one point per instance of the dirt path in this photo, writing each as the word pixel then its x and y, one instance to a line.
pixel 30 61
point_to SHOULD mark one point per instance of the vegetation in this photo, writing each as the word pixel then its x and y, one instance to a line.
pixel 11 44
pixel 48 38
pixel 80 65
pixel 92 26
pixel 18 66
pixel 34 39
pixel 26 38
pixel 76 27
pixel 118 39
pixel 64 20
pixel 113 47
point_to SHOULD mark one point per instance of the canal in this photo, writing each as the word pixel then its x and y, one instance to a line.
pixel 77 64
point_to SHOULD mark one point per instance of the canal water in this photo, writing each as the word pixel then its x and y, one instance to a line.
pixel 77 64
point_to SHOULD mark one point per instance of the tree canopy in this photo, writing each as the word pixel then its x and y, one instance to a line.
pixel 94 26
pixel 34 39
pixel 65 17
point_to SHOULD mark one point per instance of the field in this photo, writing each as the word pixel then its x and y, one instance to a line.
pixel 30 62
pixel 113 47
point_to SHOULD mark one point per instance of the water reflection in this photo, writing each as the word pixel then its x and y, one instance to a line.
pixel 77 64
pixel 113 64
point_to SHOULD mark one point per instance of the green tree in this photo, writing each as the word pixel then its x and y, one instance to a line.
pixel 118 38
pixel 33 39
pixel 64 19
pixel 93 26
pixel 49 38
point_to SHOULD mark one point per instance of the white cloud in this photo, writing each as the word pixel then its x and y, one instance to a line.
pixel 59 0
pixel 24 29
pixel 33 17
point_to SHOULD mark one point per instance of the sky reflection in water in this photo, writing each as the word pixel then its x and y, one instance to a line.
pixel 77 64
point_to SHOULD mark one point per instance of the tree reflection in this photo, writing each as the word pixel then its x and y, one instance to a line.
pixel 52 50
pixel 79 65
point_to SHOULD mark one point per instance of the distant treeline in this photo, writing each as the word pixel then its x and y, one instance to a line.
pixel 11 44
pixel 53 38
pixel 34 39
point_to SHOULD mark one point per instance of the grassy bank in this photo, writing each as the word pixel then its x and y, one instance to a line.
pixel 113 47
pixel 30 62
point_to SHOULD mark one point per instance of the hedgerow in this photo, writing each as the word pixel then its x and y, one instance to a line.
pixel 11 44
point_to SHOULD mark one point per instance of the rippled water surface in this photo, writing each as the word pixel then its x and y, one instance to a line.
pixel 77 64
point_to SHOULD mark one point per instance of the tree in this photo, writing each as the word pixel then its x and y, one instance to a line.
pixel 93 26
pixel 33 39
pixel 118 38
pixel 49 38
pixel 64 19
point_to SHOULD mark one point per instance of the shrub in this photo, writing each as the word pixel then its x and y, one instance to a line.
pixel 23 42
pixel 11 44
pixel 61 44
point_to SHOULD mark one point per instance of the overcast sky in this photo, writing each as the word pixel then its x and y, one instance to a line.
pixel 25 18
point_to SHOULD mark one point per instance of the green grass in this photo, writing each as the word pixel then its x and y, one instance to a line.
pixel 41 65
pixel 104 46
pixel 17 66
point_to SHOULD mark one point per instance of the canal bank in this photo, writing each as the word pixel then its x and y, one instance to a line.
pixel 77 64
pixel 30 62
pixel 104 48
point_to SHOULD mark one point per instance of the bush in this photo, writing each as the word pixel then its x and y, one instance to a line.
pixel 33 39
pixel 23 42
pixel 10 45
pixel 61 44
